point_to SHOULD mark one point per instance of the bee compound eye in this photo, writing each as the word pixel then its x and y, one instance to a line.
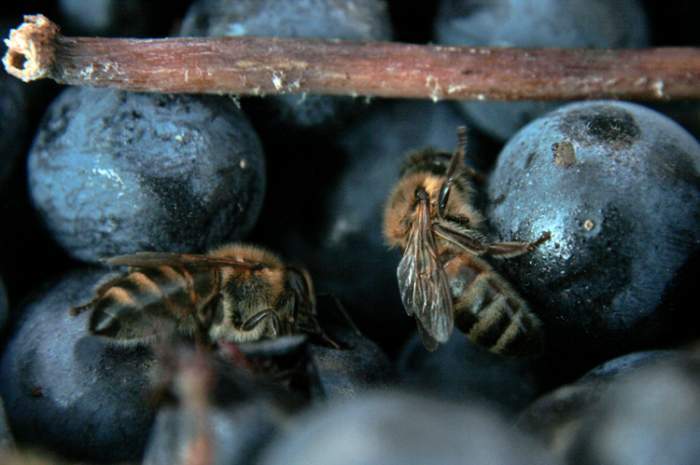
pixel 444 196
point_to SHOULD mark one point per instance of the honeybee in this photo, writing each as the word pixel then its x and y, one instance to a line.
pixel 236 293
pixel 443 279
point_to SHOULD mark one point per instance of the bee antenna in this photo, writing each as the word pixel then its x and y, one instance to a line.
pixel 342 311
pixel 455 167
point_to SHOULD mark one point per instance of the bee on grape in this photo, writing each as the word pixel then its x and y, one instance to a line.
pixel 236 293
pixel 444 279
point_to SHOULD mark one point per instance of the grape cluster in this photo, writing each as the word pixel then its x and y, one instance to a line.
pixel 87 174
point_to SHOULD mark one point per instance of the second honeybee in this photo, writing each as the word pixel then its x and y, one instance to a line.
pixel 443 278
pixel 236 293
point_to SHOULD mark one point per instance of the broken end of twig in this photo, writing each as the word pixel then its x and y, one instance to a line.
pixel 30 48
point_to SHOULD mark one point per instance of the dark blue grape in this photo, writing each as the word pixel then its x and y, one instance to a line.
pixel 618 187
pixel 359 365
pixel 650 416
pixel 462 371
pixel 535 23
pixel 114 172
pixel 394 428
pixel 13 124
pixel 125 18
pixel 557 417
pixel 69 392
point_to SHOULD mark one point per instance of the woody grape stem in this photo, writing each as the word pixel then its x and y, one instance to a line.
pixel 265 66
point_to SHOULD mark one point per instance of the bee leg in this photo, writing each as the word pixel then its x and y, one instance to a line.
pixel 75 311
pixel 254 320
pixel 313 328
pixel 340 308
pixel 515 249
pixel 330 341
pixel 319 332
pixel 309 323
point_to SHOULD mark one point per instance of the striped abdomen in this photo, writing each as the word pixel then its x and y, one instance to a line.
pixel 489 311
pixel 148 301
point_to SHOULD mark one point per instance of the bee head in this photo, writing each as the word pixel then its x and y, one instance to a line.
pixel 246 308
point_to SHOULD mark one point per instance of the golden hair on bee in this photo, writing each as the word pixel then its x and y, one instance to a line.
pixel 430 217
pixel 249 253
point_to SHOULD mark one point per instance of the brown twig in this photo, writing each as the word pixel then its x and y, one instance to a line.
pixel 259 66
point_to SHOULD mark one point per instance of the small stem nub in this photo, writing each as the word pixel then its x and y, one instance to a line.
pixel 30 49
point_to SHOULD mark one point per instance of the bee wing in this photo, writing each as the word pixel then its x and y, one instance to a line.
pixel 423 284
pixel 156 259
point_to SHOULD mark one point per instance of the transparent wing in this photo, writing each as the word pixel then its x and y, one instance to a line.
pixel 428 342
pixel 423 284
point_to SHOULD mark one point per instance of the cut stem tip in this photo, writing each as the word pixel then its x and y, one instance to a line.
pixel 30 49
